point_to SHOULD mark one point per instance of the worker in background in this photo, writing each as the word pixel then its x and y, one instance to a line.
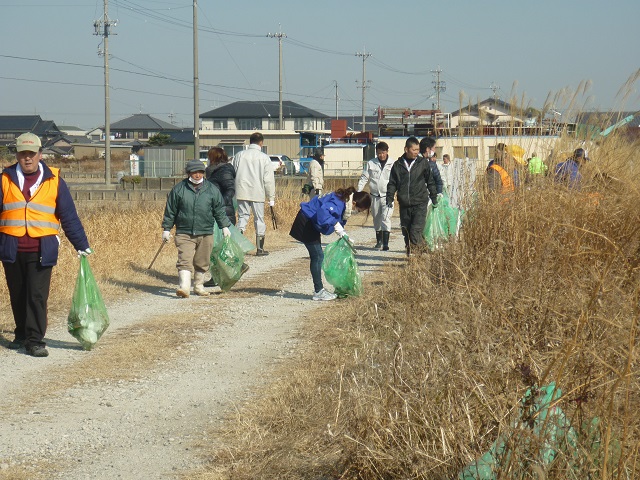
pixel 536 166
pixel 315 173
pixel 412 179
pixel 568 172
pixel 498 174
pixel 376 174
pixel 446 173
pixel 254 181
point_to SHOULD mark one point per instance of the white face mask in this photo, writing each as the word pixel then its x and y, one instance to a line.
pixel 196 182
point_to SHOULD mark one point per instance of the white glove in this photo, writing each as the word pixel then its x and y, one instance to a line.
pixel 166 235
pixel 440 195
pixel 226 232
pixel 272 203
pixel 84 253
pixel 339 229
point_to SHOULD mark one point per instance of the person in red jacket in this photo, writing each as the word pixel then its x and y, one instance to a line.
pixel 35 202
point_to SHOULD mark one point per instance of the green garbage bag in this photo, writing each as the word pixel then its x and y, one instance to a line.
pixel 341 269
pixel 226 263
pixel 239 238
pixel 88 318
pixel 541 427
pixel 442 223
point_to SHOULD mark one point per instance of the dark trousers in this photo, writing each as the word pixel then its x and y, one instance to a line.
pixel 316 255
pixel 412 222
pixel 29 283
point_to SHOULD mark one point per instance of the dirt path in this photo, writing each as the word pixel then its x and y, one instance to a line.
pixel 69 416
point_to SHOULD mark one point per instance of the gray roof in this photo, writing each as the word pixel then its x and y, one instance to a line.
pixel 142 122
pixel 27 123
pixel 182 136
pixel 262 109
pixel 19 122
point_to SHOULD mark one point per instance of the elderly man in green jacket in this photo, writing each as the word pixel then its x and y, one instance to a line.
pixel 193 206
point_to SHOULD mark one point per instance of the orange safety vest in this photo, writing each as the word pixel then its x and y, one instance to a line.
pixel 507 183
pixel 35 217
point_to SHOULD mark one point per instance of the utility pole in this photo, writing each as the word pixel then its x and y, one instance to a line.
pixel 279 36
pixel 103 28
pixel 336 83
pixel 438 85
pixel 196 86
pixel 364 56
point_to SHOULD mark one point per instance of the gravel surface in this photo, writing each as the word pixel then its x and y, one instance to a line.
pixel 148 427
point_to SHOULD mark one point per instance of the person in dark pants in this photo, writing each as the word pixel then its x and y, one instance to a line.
pixel 222 174
pixel 412 179
pixel 35 202
pixel 325 215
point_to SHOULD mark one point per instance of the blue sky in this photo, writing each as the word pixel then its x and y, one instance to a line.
pixel 532 50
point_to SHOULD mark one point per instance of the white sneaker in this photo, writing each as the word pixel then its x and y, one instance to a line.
pixel 324 295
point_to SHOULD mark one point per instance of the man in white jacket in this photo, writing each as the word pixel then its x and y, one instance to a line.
pixel 376 172
pixel 254 182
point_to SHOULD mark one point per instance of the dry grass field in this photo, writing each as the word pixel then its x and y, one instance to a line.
pixel 421 375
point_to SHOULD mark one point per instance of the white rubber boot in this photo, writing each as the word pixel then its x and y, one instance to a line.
pixel 198 287
pixel 184 277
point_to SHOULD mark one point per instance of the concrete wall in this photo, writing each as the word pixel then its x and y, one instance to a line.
pixel 482 145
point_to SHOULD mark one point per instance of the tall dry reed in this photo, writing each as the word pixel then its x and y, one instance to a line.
pixel 421 375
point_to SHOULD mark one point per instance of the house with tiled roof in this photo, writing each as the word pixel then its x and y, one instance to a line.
pixel 262 115
pixel 12 126
pixel 140 126
pixel 230 126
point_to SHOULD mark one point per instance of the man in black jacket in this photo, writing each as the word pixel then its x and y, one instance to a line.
pixel 412 179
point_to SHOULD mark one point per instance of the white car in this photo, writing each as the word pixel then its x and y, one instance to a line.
pixel 282 164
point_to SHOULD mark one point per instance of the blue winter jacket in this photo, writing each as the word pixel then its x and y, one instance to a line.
pixel 49 244
pixel 324 212
pixel 569 172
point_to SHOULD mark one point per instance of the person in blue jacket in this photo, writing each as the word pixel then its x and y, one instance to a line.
pixel 568 172
pixel 323 216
